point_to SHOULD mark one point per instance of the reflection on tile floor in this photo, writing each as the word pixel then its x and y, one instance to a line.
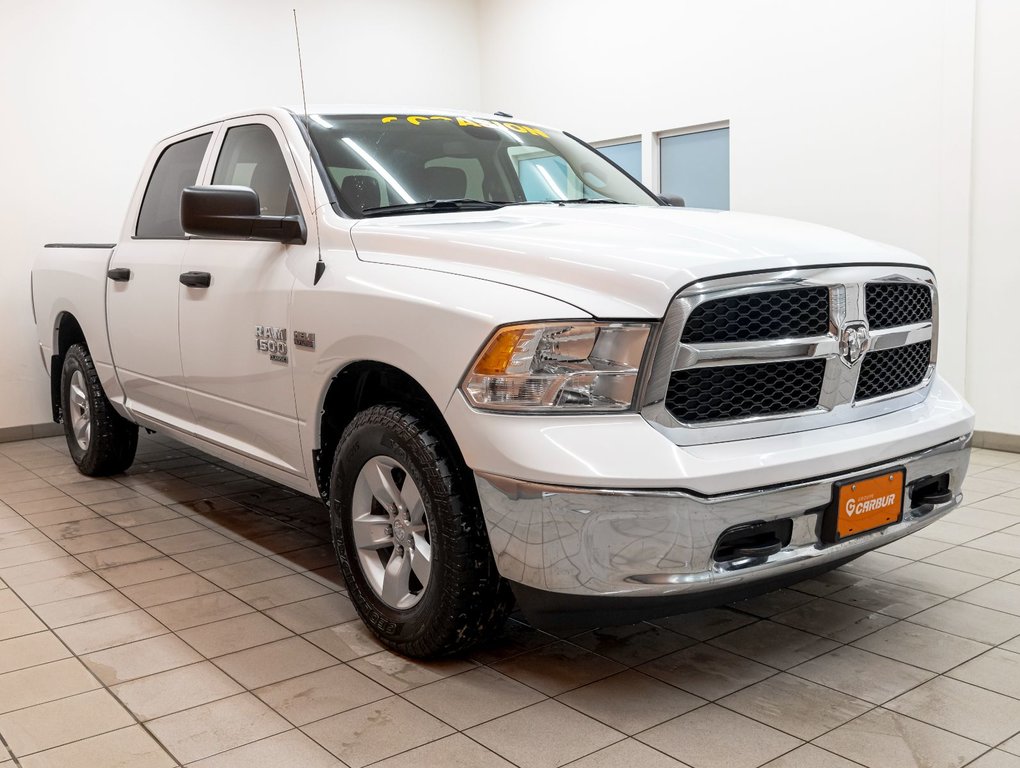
pixel 188 614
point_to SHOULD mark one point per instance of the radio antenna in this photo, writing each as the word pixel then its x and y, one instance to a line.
pixel 320 265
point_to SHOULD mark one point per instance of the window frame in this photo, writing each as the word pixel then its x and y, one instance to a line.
pixel 215 164
pixel 715 125
pixel 213 131
pixel 216 147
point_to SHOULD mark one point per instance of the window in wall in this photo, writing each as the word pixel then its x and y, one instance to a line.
pixel 547 176
pixel 177 168
pixel 626 154
pixel 696 166
pixel 251 157
pixel 543 176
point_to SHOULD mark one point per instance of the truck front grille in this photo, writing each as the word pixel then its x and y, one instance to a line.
pixel 760 316
pixel 893 304
pixel 743 391
pixel 786 350
pixel 893 370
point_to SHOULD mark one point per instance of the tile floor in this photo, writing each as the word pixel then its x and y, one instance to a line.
pixel 188 614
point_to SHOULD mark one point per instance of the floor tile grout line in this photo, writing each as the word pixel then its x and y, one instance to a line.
pixel 456 730
pixel 872 706
pixel 823 749
pixel 910 690
pixel 908 717
pixel 965 637
pixel 986 752
pixel 214 529
pixel 113 587
pixel 988 580
pixel 105 687
pixel 771 619
pixel 253 609
pixel 705 702
pixel 172 557
pixel 935 676
pixel 272 736
pixel 14 757
pixel 391 693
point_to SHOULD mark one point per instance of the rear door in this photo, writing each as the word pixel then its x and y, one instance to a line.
pixel 142 291
pixel 235 334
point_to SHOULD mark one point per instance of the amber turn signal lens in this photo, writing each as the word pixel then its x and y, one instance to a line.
pixel 498 354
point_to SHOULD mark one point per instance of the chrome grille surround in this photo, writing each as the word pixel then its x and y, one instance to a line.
pixel 836 402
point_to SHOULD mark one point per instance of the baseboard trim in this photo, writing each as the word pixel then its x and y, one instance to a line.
pixel 997 441
pixel 30 432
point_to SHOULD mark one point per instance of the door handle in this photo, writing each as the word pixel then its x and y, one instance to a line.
pixel 196 279
pixel 119 275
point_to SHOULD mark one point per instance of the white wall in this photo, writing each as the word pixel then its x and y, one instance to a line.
pixel 993 362
pixel 88 88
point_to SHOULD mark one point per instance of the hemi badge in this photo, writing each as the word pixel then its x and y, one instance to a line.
pixel 304 339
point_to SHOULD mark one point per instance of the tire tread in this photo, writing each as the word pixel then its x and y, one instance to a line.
pixel 475 600
pixel 114 438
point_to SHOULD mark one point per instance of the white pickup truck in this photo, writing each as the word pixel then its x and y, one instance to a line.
pixel 509 369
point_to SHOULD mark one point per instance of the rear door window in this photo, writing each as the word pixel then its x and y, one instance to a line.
pixel 176 168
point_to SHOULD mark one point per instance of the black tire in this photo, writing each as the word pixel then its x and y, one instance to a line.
pixel 111 444
pixel 465 601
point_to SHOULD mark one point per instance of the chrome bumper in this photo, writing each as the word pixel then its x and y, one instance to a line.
pixel 587 542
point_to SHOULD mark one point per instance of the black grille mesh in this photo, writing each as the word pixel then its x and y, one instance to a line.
pixel 740 391
pixel 760 316
pixel 891 370
pixel 892 304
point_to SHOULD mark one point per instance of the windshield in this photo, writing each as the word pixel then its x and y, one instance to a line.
pixel 389 164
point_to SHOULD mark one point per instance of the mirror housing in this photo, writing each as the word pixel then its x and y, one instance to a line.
pixel 224 211
pixel 674 200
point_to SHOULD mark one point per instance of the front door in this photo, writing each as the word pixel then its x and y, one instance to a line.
pixel 235 333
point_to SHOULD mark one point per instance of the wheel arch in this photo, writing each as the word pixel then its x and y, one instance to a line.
pixel 67 332
pixel 360 385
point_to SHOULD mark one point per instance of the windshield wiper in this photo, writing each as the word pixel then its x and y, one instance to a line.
pixel 603 200
pixel 434 206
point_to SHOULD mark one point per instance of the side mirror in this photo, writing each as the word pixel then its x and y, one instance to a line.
pixel 674 200
pixel 224 211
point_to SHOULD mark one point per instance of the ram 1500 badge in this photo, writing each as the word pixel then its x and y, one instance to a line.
pixel 520 374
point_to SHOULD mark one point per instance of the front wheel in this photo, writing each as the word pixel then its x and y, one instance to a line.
pixel 410 537
pixel 100 440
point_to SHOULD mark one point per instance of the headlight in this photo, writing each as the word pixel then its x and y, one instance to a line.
pixel 541 367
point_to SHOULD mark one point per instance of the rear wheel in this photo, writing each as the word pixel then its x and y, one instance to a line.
pixel 410 537
pixel 101 441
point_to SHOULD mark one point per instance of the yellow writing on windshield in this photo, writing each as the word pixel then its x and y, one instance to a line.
pixel 470 122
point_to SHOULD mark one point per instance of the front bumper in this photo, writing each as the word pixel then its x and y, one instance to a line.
pixel 586 545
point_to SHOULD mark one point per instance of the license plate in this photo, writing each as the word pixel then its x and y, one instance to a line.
pixel 866 504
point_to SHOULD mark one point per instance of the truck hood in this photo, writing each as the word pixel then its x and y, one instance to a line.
pixel 611 261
